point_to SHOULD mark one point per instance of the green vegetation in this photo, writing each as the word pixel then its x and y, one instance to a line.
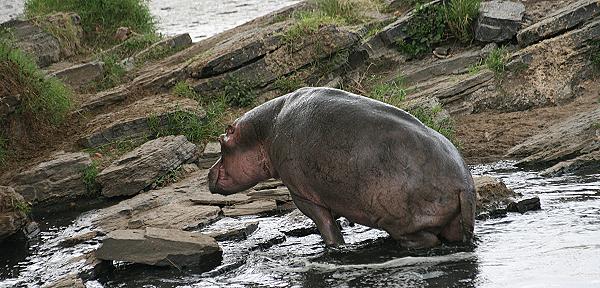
pixel 188 124
pixel 433 119
pixel 426 30
pixel 308 23
pixel 595 126
pixel 171 177
pixel 392 92
pixel 61 26
pixel 21 206
pixel 114 73
pixel 105 154
pixel 432 23
pixel 288 84
pixel 99 19
pixel 496 60
pixel 43 98
pixel 238 92
pixel 89 178
pixel 475 68
pixel 459 16
pixel 183 89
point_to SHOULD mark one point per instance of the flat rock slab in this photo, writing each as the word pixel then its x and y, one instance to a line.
pixel 498 20
pixel 252 208
pixel 80 75
pixel 237 233
pixel 56 180
pixel 139 119
pixel 277 194
pixel 220 200
pixel 160 247
pixel 141 167
pixel 559 21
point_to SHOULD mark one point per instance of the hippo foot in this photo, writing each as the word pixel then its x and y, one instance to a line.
pixel 419 240
pixel 328 227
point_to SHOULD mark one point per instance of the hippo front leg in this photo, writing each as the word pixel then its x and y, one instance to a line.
pixel 328 227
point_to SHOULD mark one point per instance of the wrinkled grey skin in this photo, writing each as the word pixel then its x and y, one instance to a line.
pixel 341 154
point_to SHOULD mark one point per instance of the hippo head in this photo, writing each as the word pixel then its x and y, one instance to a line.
pixel 243 163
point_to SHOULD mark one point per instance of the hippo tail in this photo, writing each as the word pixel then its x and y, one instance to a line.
pixel 467 213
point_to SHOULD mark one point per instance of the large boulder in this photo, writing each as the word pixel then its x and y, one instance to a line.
pixel 498 20
pixel 13 215
pixel 54 180
pixel 161 247
pixel 566 18
pixel 138 169
pixel 491 193
pixel 564 141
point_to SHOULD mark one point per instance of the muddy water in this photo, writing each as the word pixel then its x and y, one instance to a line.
pixel 558 246
pixel 200 18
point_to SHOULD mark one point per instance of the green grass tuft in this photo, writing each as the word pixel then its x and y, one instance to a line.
pixel 183 89
pixel 460 15
pixel 114 72
pixel 392 92
pixel 99 18
pixel 90 174
pixel 496 60
pixel 288 84
pixel 431 119
pixel 43 98
pixel 308 23
pixel 21 206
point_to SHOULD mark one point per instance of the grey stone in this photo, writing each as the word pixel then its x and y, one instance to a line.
pixel 174 43
pixel 585 163
pixel 133 120
pixel 161 247
pixel 105 99
pixel 12 219
pixel 55 180
pixel 9 105
pixel 169 207
pixel 569 139
pixel 234 233
pixel 220 200
pixel 491 193
pixel 524 205
pixel 141 167
pixel 455 65
pixel 80 75
pixel 566 18
pixel 277 194
pixel 252 208
pixel 498 20
pixel 394 32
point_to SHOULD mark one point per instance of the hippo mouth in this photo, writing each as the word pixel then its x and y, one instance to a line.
pixel 217 174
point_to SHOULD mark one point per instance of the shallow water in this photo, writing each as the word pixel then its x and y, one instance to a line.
pixel 200 18
pixel 558 246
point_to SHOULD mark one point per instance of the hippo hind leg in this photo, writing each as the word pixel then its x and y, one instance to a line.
pixel 328 227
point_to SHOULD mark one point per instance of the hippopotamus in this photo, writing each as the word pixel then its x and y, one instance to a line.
pixel 342 154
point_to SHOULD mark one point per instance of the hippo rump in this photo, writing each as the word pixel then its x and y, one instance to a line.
pixel 342 154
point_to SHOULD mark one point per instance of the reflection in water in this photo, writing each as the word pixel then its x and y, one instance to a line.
pixel 557 246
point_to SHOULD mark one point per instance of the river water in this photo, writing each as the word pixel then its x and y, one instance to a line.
pixel 558 246
pixel 199 18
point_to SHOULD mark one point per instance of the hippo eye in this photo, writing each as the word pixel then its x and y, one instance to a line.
pixel 229 130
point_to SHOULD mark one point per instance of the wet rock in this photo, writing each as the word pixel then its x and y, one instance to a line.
pixel 69 281
pixel 78 239
pixel 524 205
pixel 211 154
pixel 220 200
pixel 80 75
pixel 561 20
pixel 161 247
pixel 142 118
pixel 277 194
pixel 395 31
pixel 582 164
pixel 252 208
pixel 491 193
pixel 235 233
pixel 12 212
pixel 31 230
pixel 56 180
pixel 569 139
pixel 169 207
pixel 498 20
pixel 141 167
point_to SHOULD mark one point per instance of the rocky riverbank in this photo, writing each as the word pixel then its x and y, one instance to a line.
pixel 537 102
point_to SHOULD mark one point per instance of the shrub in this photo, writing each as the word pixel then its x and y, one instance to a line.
pixel 99 18
pixel 43 98
pixel 238 92
pixel 114 72
pixel 459 16
pixel 89 178
pixel 427 29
